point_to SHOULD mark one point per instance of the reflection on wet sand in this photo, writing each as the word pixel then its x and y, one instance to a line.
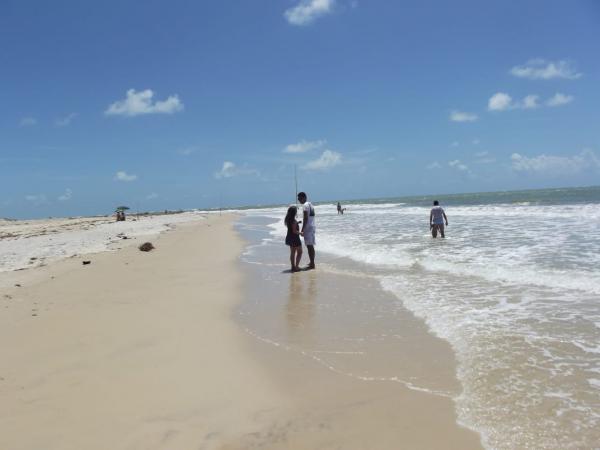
pixel 300 308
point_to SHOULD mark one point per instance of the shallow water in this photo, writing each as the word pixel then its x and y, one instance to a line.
pixel 514 288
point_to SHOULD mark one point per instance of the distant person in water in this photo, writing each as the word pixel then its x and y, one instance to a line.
pixel 437 216
pixel 308 227
pixel 340 210
pixel 292 239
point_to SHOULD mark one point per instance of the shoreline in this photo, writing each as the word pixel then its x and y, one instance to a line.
pixel 145 350
pixel 363 372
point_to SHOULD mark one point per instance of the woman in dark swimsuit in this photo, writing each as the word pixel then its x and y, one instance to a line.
pixel 293 238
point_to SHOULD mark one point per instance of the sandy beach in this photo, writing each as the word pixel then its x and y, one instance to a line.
pixel 146 351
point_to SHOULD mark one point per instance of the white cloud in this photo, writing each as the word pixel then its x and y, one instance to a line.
pixel 65 121
pixel 307 11
pixel 187 151
pixel 304 146
pixel 137 103
pixel 66 196
pixel 530 102
pixel 434 165
pixel 503 102
pixel 38 199
pixel 152 196
pixel 327 160
pixel 124 176
pixel 484 157
pixel 559 99
pixel 229 170
pixel 456 164
pixel 555 165
pixel 540 69
pixel 28 121
pixel 459 116
pixel 499 102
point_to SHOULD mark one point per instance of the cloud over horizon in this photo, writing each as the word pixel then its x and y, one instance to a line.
pixel 66 196
pixel 458 165
pixel 65 121
pixel 459 116
pixel 28 121
pixel 138 103
pixel 307 11
pixel 555 165
pixel 327 160
pixel 124 176
pixel 304 146
pixel 230 169
pixel 559 99
pixel 501 101
pixel 540 69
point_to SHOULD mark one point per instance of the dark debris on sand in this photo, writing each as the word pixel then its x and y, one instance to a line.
pixel 146 247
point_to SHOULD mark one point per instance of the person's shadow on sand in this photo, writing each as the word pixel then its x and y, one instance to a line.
pixel 302 269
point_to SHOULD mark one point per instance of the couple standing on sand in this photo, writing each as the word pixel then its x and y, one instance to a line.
pixel 294 232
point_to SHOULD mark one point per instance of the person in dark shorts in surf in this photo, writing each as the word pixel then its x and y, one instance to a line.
pixel 437 216
pixel 292 239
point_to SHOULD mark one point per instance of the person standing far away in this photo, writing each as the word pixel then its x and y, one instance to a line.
pixel 437 216
pixel 293 238
pixel 339 208
pixel 308 227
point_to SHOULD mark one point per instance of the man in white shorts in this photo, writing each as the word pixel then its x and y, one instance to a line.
pixel 308 227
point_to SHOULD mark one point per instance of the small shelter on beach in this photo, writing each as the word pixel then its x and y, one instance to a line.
pixel 120 213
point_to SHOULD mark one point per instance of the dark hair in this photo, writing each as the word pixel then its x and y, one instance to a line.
pixel 302 194
pixel 436 203
pixel 290 216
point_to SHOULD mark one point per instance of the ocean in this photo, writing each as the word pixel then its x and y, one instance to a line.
pixel 514 289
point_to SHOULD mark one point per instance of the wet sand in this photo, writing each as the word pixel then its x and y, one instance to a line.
pixel 363 372
pixel 149 351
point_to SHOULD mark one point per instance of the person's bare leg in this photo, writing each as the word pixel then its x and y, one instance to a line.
pixel 442 231
pixel 434 231
pixel 292 257
pixel 311 256
pixel 298 257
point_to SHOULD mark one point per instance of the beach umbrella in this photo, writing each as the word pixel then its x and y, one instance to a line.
pixel 121 208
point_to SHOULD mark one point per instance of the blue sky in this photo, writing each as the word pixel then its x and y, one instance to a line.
pixel 186 104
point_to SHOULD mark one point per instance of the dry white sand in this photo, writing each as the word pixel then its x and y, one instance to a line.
pixel 134 351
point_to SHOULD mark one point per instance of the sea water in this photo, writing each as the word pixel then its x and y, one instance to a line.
pixel 514 288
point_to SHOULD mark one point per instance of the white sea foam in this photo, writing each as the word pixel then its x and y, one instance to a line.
pixel 515 291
